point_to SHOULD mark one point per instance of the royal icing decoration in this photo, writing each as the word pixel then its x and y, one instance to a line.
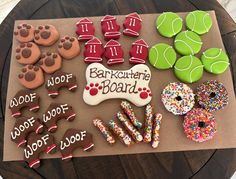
pixel 138 52
pixel 132 25
pixel 93 51
pixel 114 52
pixel 85 29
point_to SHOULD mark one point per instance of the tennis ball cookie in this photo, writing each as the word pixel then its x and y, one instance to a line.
pixel 162 56
pixel 169 24
pixel 188 43
pixel 199 22
pixel 188 69
pixel 215 60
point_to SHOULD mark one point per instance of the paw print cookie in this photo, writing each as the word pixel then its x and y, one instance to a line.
pixel 46 35
pixel 27 53
pixel 24 33
pixel 69 47
pixel 31 77
pixel 50 62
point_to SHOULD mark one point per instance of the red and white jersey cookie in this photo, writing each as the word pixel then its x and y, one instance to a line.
pixel 132 25
pixel 93 51
pixel 110 28
pixel 85 29
pixel 138 52
pixel 114 52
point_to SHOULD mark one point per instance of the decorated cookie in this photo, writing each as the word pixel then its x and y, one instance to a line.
pixel 50 62
pixel 31 76
pixel 132 24
pixel 110 28
pixel 199 22
pixel 169 24
pixel 73 139
pixel 139 52
pixel 162 56
pixel 58 80
pixel 23 99
pixel 177 98
pixel 56 112
pixel 85 29
pixel 188 43
pixel 68 47
pixel 114 52
pixel 215 61
pixel 156 128
pixel 46 35
pixel 27 53
pixel 23 127
pixel 93 51
pixel 212 95
pixel 24 33
pixel 36 145
pixel 199 125
pixel 188 69
pixel 103 84
pixel 149 113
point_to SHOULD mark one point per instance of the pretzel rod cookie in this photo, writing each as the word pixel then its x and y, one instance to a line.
pixel 124 138
pixel 156 128
pixel 128 110
pixel 104 130
pixel 148 123
pixel 129 127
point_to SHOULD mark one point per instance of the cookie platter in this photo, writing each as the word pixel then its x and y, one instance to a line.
pixel 172 137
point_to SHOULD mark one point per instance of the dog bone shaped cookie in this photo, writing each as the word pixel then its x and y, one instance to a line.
pixel 103 84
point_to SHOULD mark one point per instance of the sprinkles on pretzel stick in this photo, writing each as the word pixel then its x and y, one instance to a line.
pixel 148 123
pixel 156 129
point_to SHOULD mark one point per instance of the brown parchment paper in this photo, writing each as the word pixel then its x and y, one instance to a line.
pixel 172 137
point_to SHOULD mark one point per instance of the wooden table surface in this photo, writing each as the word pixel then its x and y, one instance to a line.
pixel 192 164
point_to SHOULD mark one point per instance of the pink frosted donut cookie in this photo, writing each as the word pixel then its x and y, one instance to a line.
pixel 199 125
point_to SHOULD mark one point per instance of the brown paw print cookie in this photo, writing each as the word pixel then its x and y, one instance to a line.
pixel 46 35
pixel 36 145
pixel 23 127
pixel 31 76
pixel 69 47
pixel 73 139
pixel 50 62
pixel 24 33
pixel 22 99
pixel 58 80
pixel 56 112
pixel 27 53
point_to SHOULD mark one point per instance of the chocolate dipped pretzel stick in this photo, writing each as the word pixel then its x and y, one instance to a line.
pixel 148 123
pixel 156 128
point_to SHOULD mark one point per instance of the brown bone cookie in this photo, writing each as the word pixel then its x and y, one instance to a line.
pixel 46 35
pixel 36 145
pixel 31 77
pixel 58 80
pixel 50 62
pixel 24 98
pixel 56 112
pixel 27 53
pixel 73 139
pixel 23 127
pixel 24 33
pixel 68 47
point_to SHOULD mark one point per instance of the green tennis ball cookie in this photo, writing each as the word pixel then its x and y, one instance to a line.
pixel 215 60
pixel 162 56
pixel 188 43
pixel 169 24
pixel 188 69
pixel 199 22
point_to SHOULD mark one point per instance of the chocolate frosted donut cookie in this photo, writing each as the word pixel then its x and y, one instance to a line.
pixel 24 33
pixel 69 47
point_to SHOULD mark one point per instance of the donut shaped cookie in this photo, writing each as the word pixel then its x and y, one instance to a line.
pixel 199 125
pixel 188 43
pixel 212 95
pixel 199 22
pixel 169 24
pixel 215 61
pixel 162 56
pixel 188 69
pixel 24 33
pixel 177 98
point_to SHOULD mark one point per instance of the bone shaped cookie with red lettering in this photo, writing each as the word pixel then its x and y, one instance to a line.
pixel 103 84
pixel 55 112
pixel 73 139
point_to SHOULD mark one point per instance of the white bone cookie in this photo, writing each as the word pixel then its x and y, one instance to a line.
pixel 103 84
